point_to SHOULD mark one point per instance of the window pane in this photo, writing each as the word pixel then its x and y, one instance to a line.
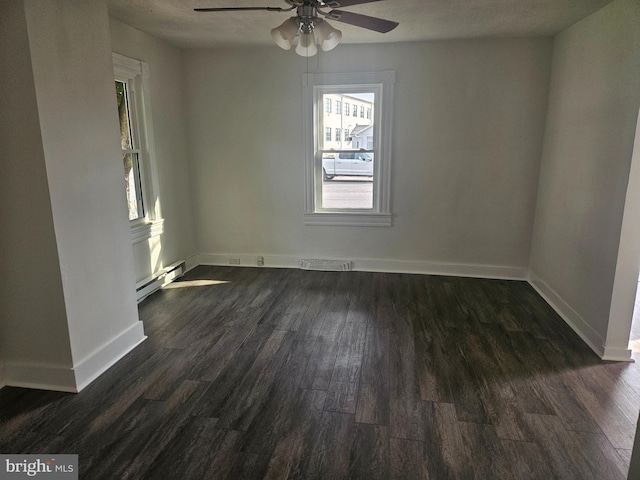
pixel 347 160
pixel 122 96
pixel 133 189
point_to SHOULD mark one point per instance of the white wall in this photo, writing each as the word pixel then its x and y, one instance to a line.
pixel 593 107
pixel 169 124
pixel 33 327
pixel 468 126
pixel 73 77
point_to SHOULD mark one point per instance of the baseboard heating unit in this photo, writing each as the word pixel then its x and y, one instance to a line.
pixel 325 264
pixel 146 287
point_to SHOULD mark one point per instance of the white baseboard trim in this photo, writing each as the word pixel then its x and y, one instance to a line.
pixel 191 262
pixel 437 268
pixel 617 354
pixel 569 315
pixel 374 265
pixel 74 379
pixel 270 261
pixel 95 364
pixel 40 376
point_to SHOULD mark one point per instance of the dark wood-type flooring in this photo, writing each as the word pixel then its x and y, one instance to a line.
pixel 276 373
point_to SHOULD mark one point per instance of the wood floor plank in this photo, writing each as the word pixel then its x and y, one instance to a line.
pixel 564 455
pixel 373 395
pixel 526 460
pixel 369 453
pixel 320 366
pixel 615 425
pixel 212 363
pixel 626 398
pixel 290 455
pixel 198 439
pixel 407 418
pixel 159 420
pixel 329 456
pixel 230 377
pixel 245 402
pixel 447 453
pixel 407 460
pixel 286 417
pixel 345 378
pixel 485 452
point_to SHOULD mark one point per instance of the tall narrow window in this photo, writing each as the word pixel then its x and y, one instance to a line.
pixel 136 141
pixel 346 109
pixel 348 179
pixel 338 107
pixel 130 152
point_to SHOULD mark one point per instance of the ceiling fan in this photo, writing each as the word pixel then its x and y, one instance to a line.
pixel 309 26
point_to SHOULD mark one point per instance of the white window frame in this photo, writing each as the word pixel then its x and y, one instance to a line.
pixel 314 85
pixel 136 74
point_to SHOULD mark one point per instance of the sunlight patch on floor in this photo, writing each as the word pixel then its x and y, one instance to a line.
pixel 195 283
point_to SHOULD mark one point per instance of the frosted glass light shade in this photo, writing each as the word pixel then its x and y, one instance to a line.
pixel 327 36
pixel 285 33
pixel 306 45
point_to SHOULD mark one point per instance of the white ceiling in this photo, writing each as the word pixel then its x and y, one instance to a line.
pixel 176 22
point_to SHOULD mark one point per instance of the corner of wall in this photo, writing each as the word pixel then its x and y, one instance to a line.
pixel 59 378
pixel 568 314
pixel 103 358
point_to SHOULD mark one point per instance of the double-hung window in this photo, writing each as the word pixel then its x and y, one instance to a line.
pixel 348 183
pixel 136 140
pixel 130 149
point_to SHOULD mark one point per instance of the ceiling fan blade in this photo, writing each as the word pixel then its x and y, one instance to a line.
pixel 346 3
pixel 234 9
pixel 364 21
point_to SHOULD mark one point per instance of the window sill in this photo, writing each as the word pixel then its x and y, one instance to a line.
pixel 352 219
pixel 146 230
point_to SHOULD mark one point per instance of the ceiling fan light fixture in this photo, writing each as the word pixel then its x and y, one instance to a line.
pixel 327 36
pixel 306 45
pixel 285 33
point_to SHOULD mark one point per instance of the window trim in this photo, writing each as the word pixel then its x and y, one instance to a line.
pixel 136 73
pixel 382 82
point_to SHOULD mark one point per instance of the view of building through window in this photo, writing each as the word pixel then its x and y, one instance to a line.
pixel 347 150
